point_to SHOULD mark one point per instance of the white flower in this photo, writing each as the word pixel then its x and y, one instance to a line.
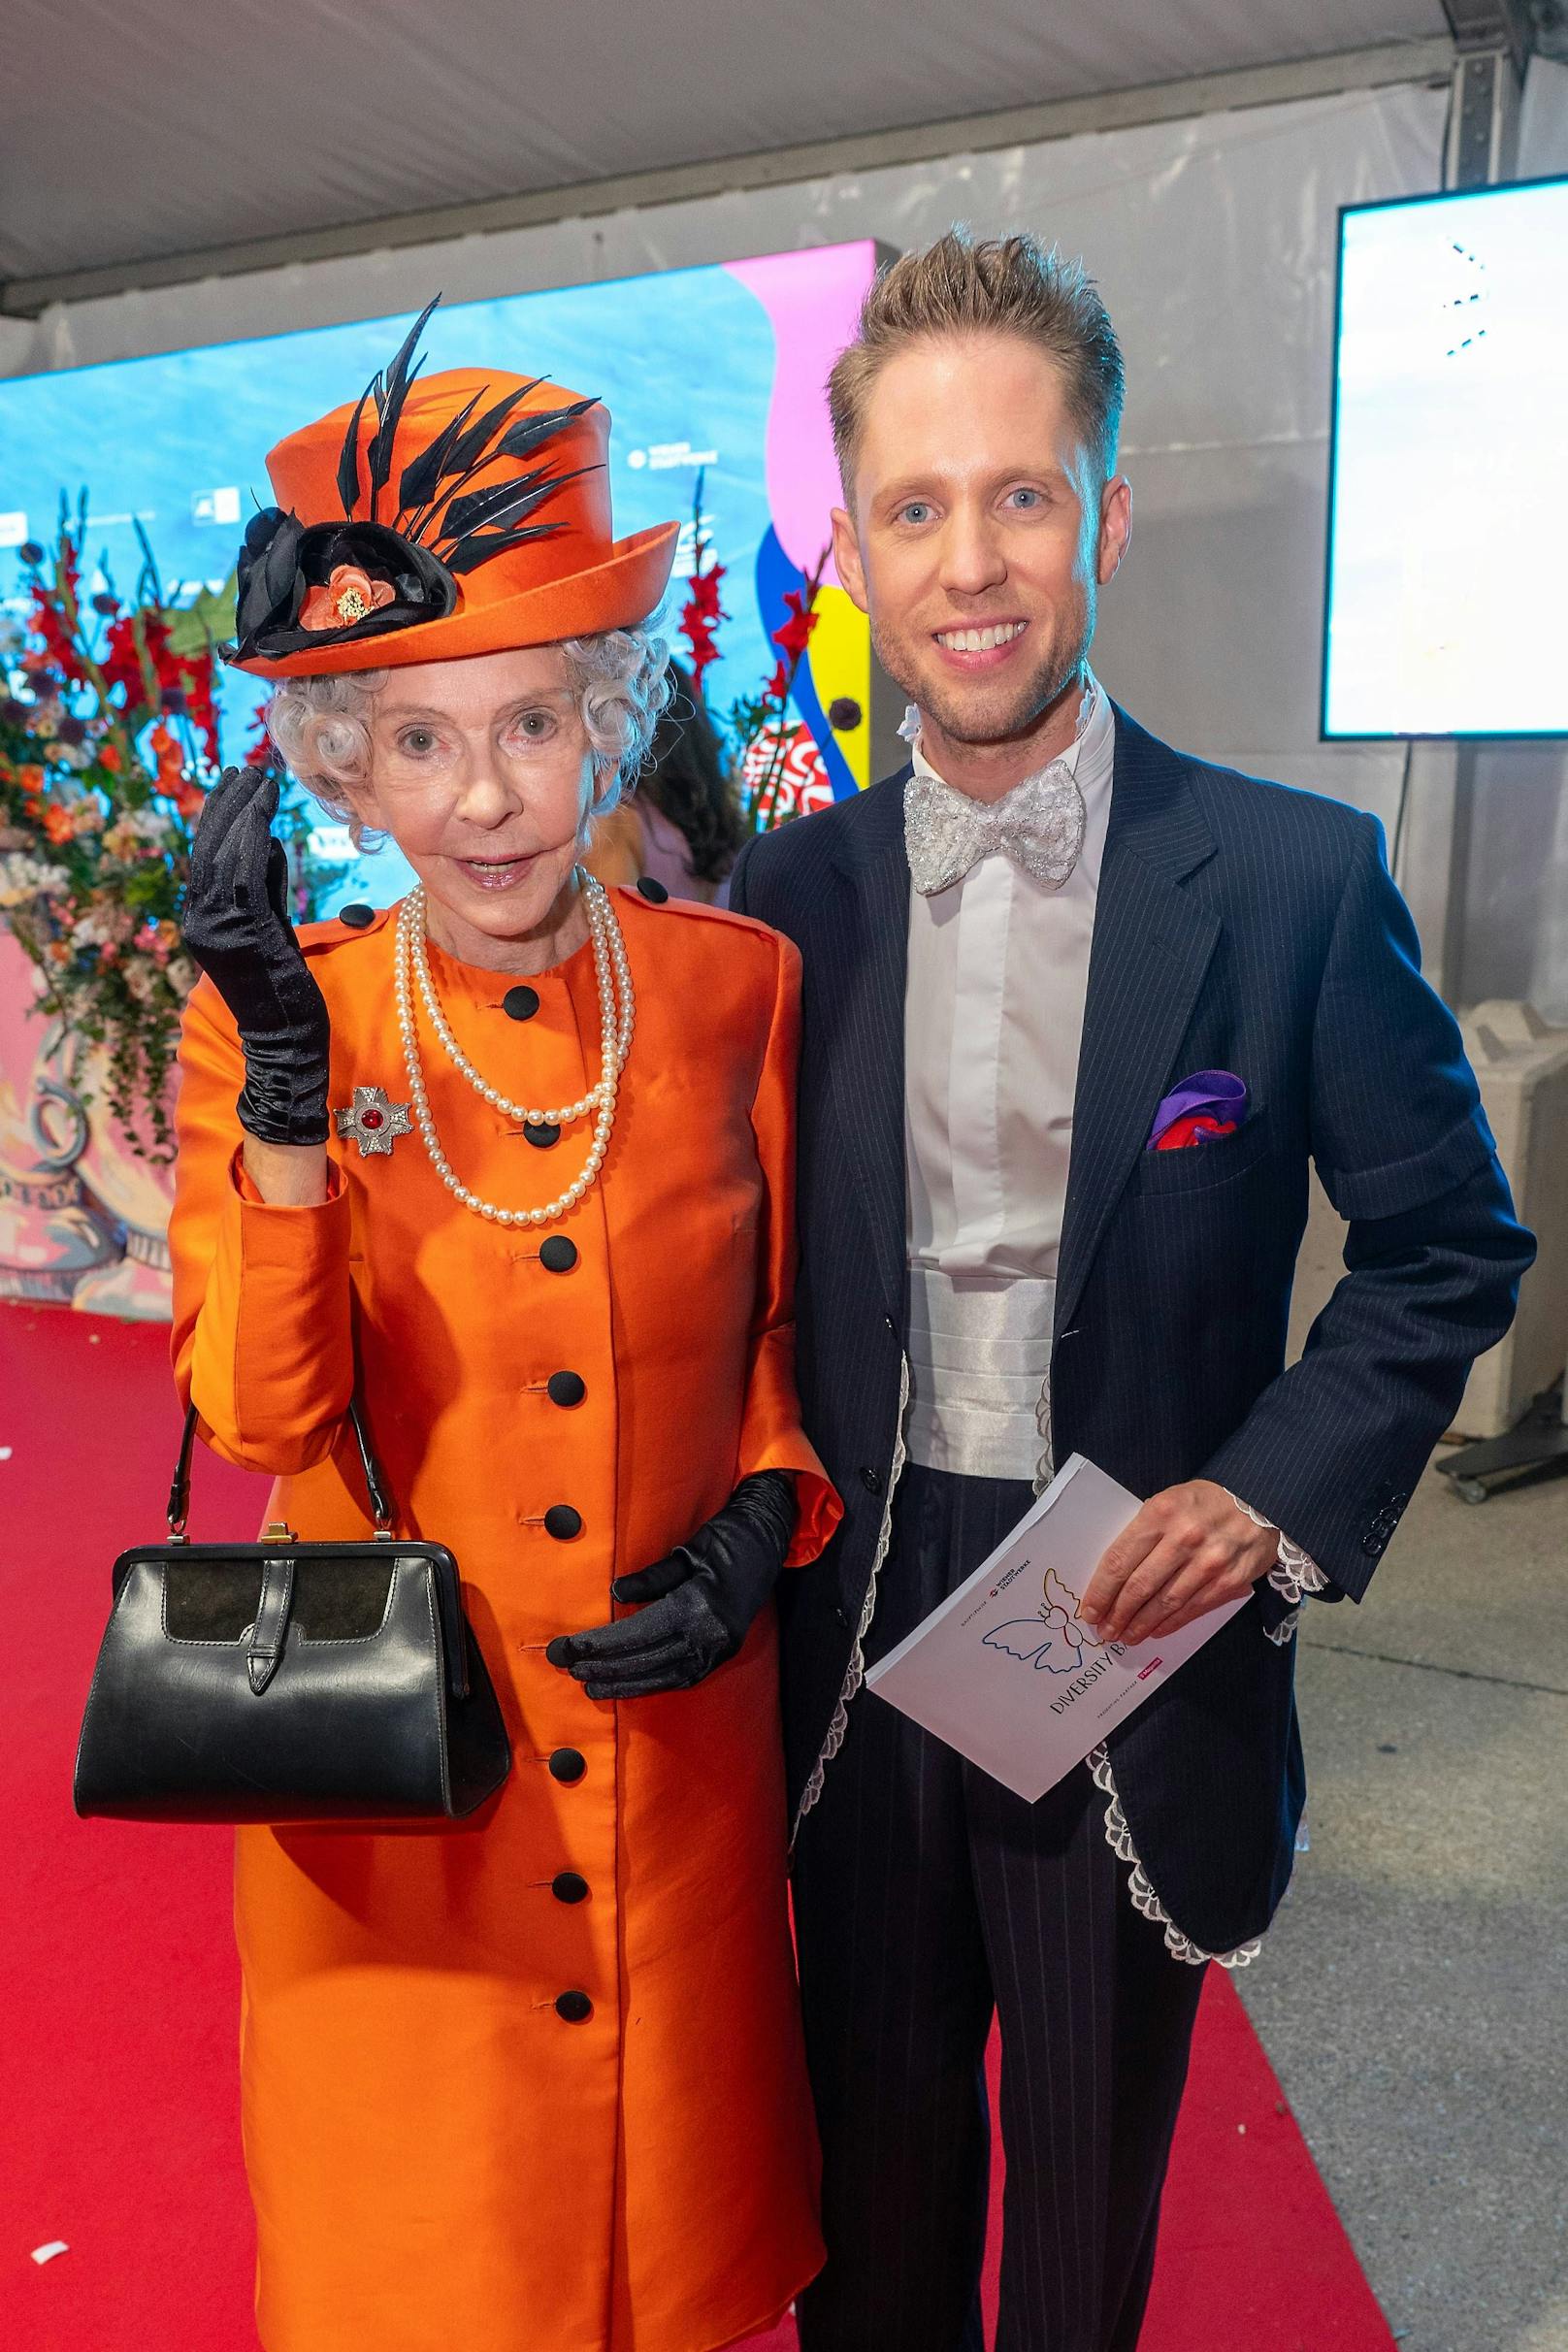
pixel 181 974
pixel 141 979
pixel 103 928
pixel 22 877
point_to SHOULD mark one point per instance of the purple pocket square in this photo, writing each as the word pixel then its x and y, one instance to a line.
pixel 1211 1102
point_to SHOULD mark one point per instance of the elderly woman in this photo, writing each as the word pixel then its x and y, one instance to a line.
pixel 518 1153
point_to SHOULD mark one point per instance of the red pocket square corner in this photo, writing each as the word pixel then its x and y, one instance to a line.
pixel 1197 1127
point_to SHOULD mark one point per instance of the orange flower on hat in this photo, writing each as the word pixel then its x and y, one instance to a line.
pixel 347 596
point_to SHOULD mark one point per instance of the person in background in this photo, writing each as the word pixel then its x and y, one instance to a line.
pixel 682 827
pixel 532 2082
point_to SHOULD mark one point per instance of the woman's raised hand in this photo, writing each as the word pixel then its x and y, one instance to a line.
pixel 236 927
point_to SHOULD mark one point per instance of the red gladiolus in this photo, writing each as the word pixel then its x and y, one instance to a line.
pixel 793 637
pixel 48 621
pixel 700 615
pixel 196 681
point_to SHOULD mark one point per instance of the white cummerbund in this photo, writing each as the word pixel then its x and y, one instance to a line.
pixel 979 1363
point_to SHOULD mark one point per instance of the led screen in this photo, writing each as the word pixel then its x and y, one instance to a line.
pixel 1449 506
pixel 718 369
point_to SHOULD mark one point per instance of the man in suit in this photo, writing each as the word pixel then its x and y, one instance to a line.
pixel 1016 949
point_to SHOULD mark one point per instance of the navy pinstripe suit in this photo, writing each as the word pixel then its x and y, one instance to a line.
pixel 1239 926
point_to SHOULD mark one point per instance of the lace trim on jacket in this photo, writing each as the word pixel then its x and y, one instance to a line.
pixel 1140 1888
pixel 855 1675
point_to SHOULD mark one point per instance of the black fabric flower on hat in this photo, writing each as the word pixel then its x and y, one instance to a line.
pixel 331 583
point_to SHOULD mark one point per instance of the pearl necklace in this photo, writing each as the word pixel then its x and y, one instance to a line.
pixel 613 973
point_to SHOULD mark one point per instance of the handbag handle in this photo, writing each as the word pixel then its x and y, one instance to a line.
pixel 382 1508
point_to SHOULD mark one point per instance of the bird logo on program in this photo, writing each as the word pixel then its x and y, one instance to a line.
pixel 1052 1641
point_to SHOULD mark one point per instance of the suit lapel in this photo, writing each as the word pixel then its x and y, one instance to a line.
pixel 1152 946
pixel 869 931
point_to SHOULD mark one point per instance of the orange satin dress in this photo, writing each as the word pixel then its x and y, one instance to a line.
pixel 438 2158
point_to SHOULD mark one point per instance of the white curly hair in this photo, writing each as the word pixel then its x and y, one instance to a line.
pixel 321 727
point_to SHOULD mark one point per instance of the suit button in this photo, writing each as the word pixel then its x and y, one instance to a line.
pixel 568 1764
pixel 563 1522
pixel 565 1388
pixel 567 1887
pixel 871 1480
pixel 357 916
pixel 520 1003
pixel 558 1255
pixel 654 892
pixel 542 1135
pixel 843 1615
pixel 1372 1544
pixel 575 2008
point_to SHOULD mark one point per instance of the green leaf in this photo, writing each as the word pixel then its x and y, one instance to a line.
pixel 207 620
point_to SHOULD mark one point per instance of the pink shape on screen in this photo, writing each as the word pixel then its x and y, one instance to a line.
pixel 812 300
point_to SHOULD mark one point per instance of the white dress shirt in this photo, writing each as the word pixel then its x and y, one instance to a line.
pixel 993 1018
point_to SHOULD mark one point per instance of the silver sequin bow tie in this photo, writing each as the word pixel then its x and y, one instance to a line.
pixel 1039 825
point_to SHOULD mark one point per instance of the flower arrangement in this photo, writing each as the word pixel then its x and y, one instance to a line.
pixel 109 739
pixel 756 724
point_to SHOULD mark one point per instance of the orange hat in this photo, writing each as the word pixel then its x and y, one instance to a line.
pixel 462 513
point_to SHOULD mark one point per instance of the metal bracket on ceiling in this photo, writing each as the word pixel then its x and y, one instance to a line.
pixel 1493 40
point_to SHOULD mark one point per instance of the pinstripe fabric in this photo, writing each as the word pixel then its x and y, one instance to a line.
pixel 925 1893
pixel 1242 927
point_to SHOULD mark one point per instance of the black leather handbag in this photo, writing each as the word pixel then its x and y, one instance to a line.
pixel 289 1682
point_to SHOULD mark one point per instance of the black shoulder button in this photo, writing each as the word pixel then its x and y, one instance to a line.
pixel 357 915
pixel 654 892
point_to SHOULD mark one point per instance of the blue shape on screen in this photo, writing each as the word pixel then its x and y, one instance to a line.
pixel 775 575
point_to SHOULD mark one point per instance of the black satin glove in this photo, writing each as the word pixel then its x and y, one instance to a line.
pixel 699 1602
pixel 236 927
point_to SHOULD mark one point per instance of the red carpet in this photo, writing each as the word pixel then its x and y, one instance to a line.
pixel 119 1991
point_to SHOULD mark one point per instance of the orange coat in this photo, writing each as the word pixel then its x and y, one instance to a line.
pixel 438 2158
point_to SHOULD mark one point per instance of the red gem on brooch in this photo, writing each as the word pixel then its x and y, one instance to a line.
pixel 373 1120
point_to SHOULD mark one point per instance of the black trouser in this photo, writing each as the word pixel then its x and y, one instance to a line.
pixel 927 1896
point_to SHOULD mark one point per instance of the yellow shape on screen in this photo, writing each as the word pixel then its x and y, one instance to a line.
pixel 840 657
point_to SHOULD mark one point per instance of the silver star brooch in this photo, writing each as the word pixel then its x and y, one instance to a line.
pixel 373 1121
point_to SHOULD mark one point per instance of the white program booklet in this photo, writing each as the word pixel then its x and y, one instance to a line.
pixel 1004 1672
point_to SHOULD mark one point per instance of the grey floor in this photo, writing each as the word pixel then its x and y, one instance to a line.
pixel 1414 1992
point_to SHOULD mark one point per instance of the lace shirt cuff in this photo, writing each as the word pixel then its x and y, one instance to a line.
pixel 1294 1573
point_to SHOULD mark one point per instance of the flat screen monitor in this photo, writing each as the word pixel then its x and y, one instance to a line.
pixel 1445 611
pixel 718 371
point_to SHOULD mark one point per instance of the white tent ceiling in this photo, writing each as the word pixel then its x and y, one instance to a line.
pixel 134 132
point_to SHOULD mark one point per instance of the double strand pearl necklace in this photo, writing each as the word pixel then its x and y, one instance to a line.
pixel 616 1015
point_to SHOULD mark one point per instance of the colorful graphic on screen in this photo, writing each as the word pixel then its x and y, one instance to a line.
pixel 718 369
pixel 1449 485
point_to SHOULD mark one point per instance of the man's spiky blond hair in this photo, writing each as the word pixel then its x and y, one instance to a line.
pixel 962 286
